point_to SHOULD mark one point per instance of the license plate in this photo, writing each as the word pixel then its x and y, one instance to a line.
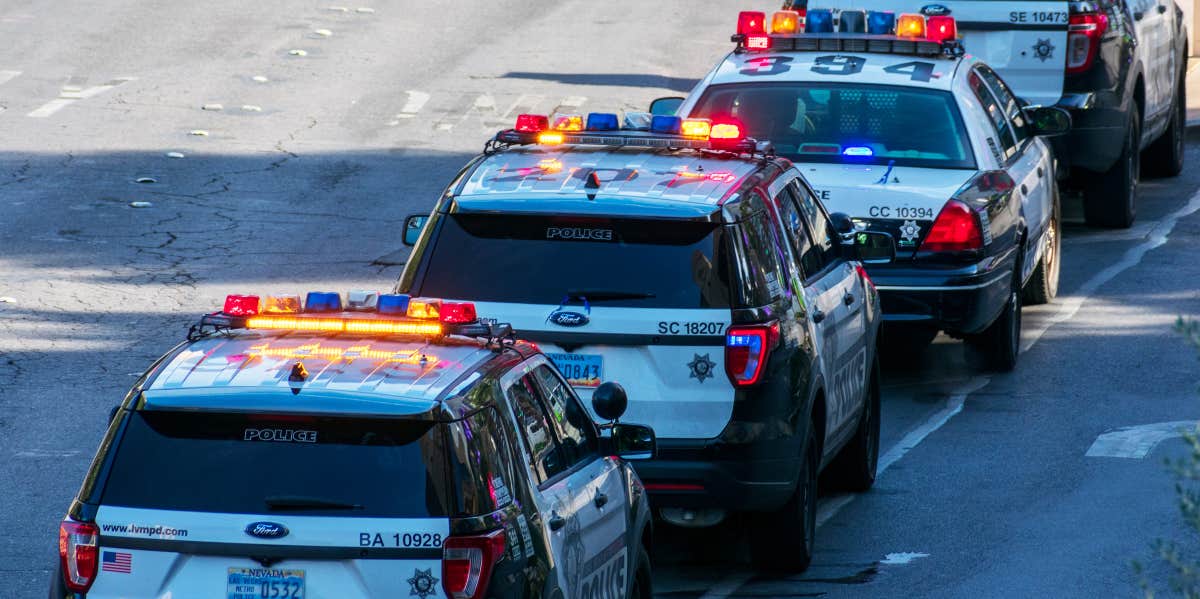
pixel 580 370
pixel 264 583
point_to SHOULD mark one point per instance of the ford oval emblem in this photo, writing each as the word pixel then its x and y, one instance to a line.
pixel 566 318
pixel 935 10
pixel 266 530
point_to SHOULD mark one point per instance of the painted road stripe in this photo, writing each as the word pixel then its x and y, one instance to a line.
pixel 416 101
pixel 71 94
pixel 1136 442
pixel 1068 307
pixel 6 76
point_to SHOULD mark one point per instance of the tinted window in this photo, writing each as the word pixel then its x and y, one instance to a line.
pixel 760 274
pixel 995 114
pixel 823 251
pixel 571 421
pixel 534 428
pixel 506 258
pixel 484 480
pixel 793 225
pixel 847 123
pixel 1008 102
pixel 202 462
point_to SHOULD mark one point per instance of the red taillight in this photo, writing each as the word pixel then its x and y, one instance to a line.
pixel 956 229
pixel 532 123
pixel 752 22
pixel 467 563
pixel 241 305
pixel 457 312
pixel 78 550
pixel 747 349
pixel 1084 31
pixel 940 28
pixel 862 272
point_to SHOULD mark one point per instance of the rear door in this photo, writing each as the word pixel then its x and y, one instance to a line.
pixel 237 505
pixel 1024 40
pixel 641 302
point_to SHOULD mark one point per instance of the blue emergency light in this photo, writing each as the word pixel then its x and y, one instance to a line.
pixel 601 121
pixel 323 301
pixel 393 303
pixel 881 22
pixel 819 20
pixel 852 21
pixel 665 124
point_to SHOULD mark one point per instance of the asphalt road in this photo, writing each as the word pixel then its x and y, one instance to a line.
pixel 308 133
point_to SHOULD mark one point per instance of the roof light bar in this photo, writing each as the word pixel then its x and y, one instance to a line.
pixel 532 122
pixel 785 21
pixel 910 25
pixel 751 22
pixel 832 30
pixel 343 325
pixel 657 131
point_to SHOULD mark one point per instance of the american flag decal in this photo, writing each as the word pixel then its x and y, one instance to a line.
pixel 115 561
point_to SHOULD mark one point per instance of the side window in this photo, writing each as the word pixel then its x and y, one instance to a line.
pixel 545 460
pixel 1008 103
pixel 758 261
pixel 796 233
pixel 482 463
pixel 999 120
pixel 572 422
pixel 823 251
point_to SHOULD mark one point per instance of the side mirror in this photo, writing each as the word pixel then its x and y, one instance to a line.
pixel 872 247
pixel 413 224
pixel 609 401
pixel 666 106
pixel 1048 120
pixel 634 441
pixel 841 223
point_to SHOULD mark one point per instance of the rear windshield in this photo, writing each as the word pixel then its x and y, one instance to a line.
pixel 847 123
pixel 245 463
pixel 542 259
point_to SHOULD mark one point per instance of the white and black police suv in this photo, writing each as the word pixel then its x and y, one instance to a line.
pixel 690 263
pixel 384 447
pixel 896 126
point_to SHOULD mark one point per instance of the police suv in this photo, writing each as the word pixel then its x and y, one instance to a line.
pixel 895 125
pixel 691 263
pixel 384 447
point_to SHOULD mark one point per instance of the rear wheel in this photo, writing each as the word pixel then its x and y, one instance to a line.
pixel 856 465
pixel 1043 284
pixel 783 540
pixel 997 347
pixel 642 586
pixel 1164 158
pixel 1110 198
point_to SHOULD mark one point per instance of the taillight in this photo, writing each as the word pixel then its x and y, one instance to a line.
pixel 747 349
pixel 78 550
pixel 1084 31
pixel 862 272
pixel 467 563
pixel 956 229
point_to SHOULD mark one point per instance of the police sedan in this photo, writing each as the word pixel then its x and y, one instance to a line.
pixel 896 125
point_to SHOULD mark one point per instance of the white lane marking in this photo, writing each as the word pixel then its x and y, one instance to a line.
pixel 572 101
pixel 484 102
pixel 6 76
pixel 899 559
pixel 1136 442
pixel 524 104
pixel 1067 310
pixel 415 102
pixel 46 453
pixel 727 586
pixel 71 94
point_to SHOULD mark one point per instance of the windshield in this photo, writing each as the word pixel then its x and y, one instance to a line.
pixel 847 123
pixel 542 259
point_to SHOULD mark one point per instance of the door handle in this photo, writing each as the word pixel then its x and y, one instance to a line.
pixel 818 316
pixel 848 299
pixel 1024 190
pixel 1162 8
pixel 601 500
pixel 556 521
pixel 1137 15
pixel 1041 173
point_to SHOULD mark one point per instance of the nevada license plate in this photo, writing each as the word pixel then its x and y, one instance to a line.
pixel 264 583
pixel 580 370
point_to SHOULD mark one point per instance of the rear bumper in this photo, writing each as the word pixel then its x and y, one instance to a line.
pixel 954 301
pixel 1098 124
pixel 708 474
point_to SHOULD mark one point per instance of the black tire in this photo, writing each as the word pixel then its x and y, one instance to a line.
pixel 856 465
pixel 997 347
pixel 783 541
pixel 1110 199
pixel 642 586
pixel 1164 157
pixel 1042 286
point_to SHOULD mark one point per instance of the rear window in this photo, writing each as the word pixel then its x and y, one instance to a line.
pixel 847 123
pixel 315 465
pixel 541 259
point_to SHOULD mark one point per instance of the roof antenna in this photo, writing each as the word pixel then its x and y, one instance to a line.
pixel 883 180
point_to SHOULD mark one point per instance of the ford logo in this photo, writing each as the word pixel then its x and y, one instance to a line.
pixel 266 530
pixel 935 10
pixel 564 318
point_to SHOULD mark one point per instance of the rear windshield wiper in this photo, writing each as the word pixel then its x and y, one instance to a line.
pixel 303 502
pixel 593 295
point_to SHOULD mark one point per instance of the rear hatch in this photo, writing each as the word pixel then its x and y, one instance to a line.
pixel 1025 40
pixel 201 504
pixel 643 302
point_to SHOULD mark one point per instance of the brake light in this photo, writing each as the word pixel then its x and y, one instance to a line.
pixel 751 22
pixel 79 552
pixel 467 563
pixel 747 349
pixel 1084 31
pixel 955 229
pixel 862 272
pixel 940 29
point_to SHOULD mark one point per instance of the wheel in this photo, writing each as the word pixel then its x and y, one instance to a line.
pixel 1164 157
pixel 996 348
pixel 642 586
pixel 1043 283
pixel 783 541
pixel 855 467
pixel 1110 198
